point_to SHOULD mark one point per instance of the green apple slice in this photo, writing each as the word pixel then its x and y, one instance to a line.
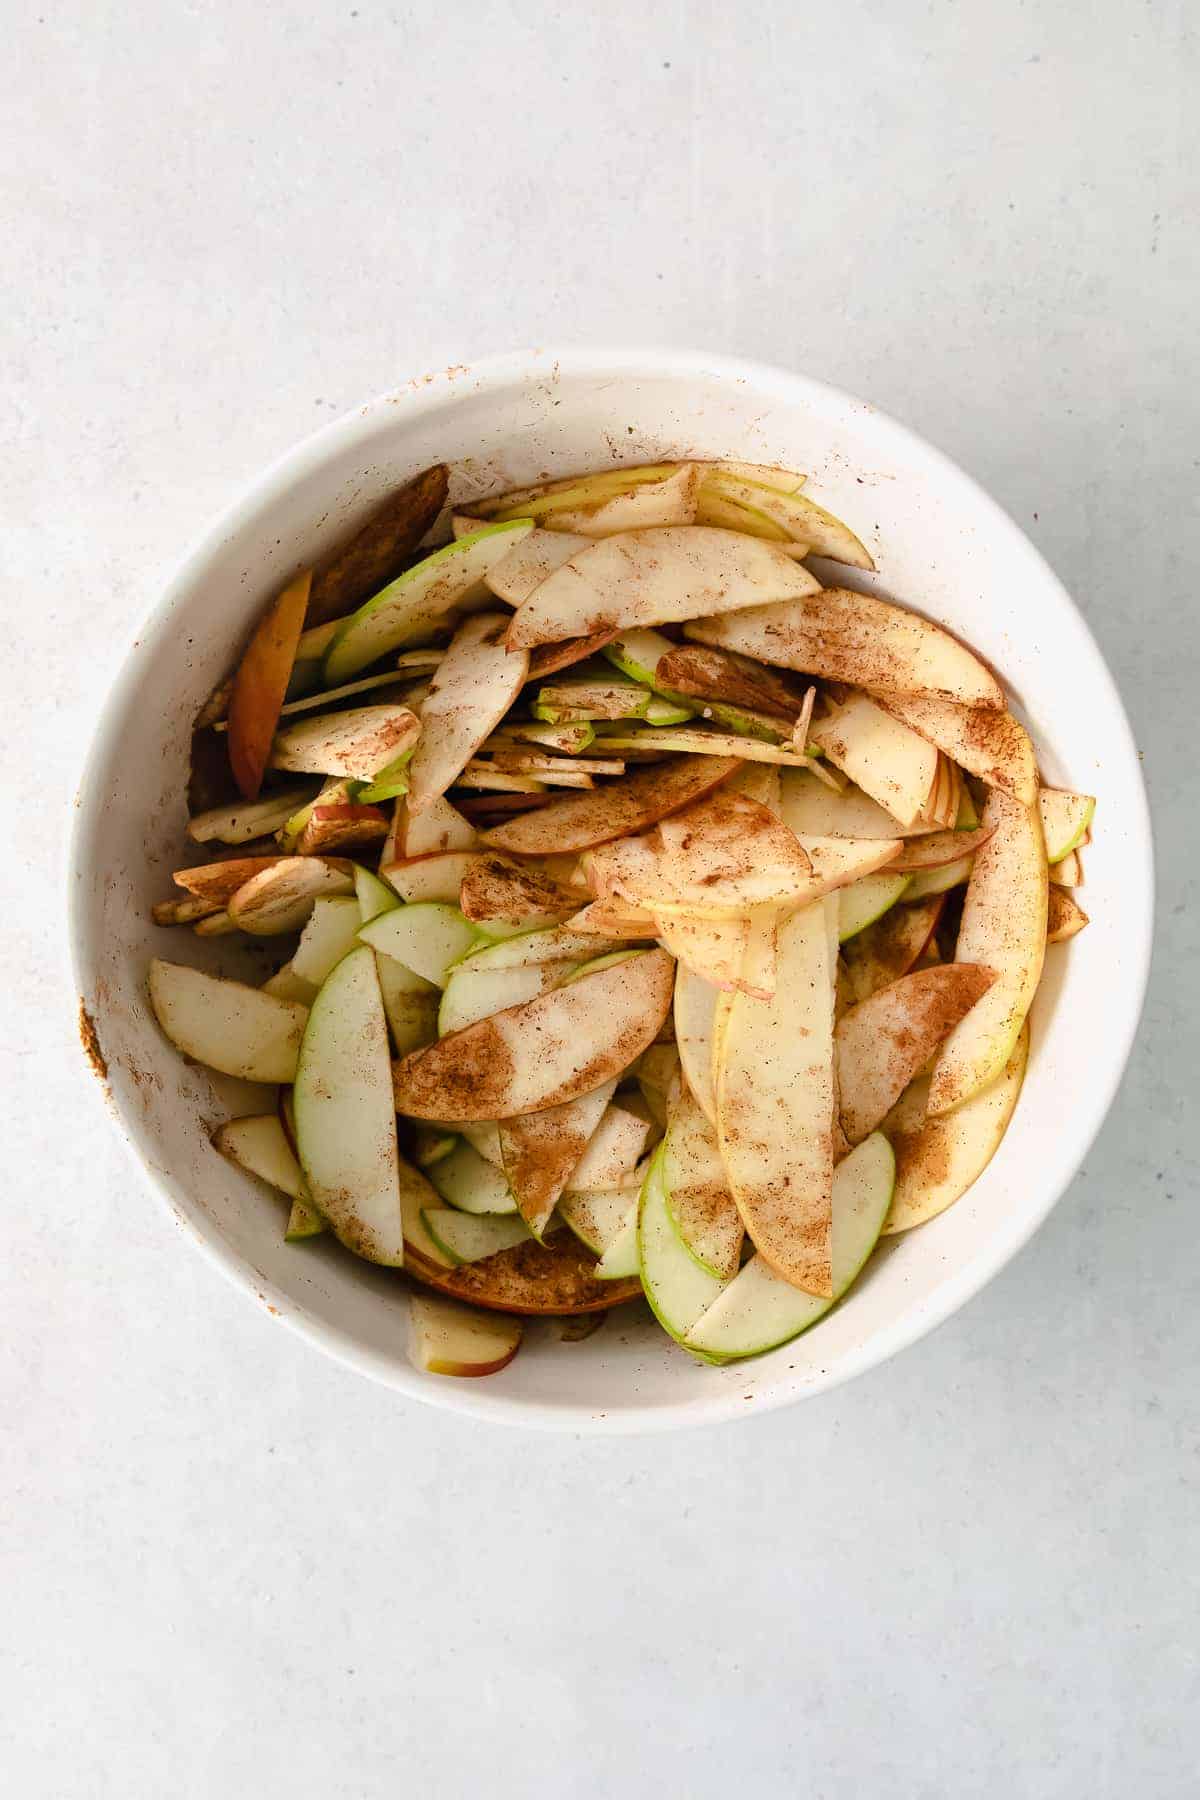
pixel 621 1259
pixel 484 1135
pixel 302 1224
pixel 247 820
pixel 427 938
pixel 420 600
pixel 466 1238
pixel 471 1184
pixel 864 901
pixel 330 934
pixel 883 952
pixel 803 520
pixel 541 1150
pixel 1066 818
pixel 696 1191
pixel 345 1120
pixel 597 1218
pixel 259 1145
pixel 334 792
pixel 374 895
pixel 546 498
pixel 758 1310
pixel 678 1288
pixel 235 1029
pixel 473 687
pixel 695 1012
pixel 432 1146
pixel 557 944
pixel 448 1339
pixel 654 577
pixel 472 994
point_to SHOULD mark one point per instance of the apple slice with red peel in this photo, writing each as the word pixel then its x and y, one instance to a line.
pixel 260 685
pixel 445 1339
pixel 775 1106
pixel 696 1190
pixel 1066 819
pixel 498 890
pixel 888 949
pixel 426 937
pixel 894 765
pixel 986 743
pixel 282 897
pixel 235 1029
pixel 528 1058
pixel 939 1158
pixel 1064 916
pixel 653 577
pixel 695 1013
pixel 472 688
pixel 883 1043
pixel 541 1150
pixel 1004 929
pixel 345 826
pixel 437 877
pixel 629 804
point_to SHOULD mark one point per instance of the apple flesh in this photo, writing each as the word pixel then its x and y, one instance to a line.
pixel 244 821
pixel 427 938
pixel 541 1150
pixel 470 1183
pixel 679 1288
pixel 631 804
pixel 357 743
pixel 282 897
pixel 695 1013
pixel 260 685
pixel 881 1044
pixel 1066 819
pixel 473 687
pixel 445 1339
pixel 896 767
pixel 235 1029
pixel 987 743
pixel 696 1190
pixel 380 547
pixel 888 949
pixel 468 1238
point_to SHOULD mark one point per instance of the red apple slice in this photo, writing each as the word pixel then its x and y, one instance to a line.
pixel 342 827
pixel 260 685
pixel 882 1043
pixel 630 804
pixel 987 743
pixel 473 687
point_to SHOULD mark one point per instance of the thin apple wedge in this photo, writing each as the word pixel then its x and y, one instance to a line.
pixel 775 1106
pixel 235 1029
pixel 528 1058
pixel 814 810
pixel 865 901
pixel 620 1260
pixel 938 1158
pixel 883 1043
pixel 244 821
pixel 987 743
pixel 712 950
pixel 541 1150
pixel 437 877
pixel 498 890
pixel 679 1288
pixel 330 934
pixel 556 944
pixel 531 562
pixel 467 1181
pixel 282 897
pixel 545 499
pixel 189 911
pixel 696 1190
pixel 701 672
pixel 658 1070
pixel 653 577
pixel 467 1238
pixel 556 1277
pixel 379 548
pixel 426 937
pixel 550 659
pixel 671 501
pixel 616 1146
pixel 630 804
pixel 888 949
pixel 471 994
pixel 438 827
pixel 714 859
pixel 342 827
pixel 695 1013
pixel 1004 929
pixel 895 766
pixel 356 743
pixel 219 881
pixel 420 601
pixel 1068 871
pixel 472 688
pixel 260 685
pixel 1066 819
pixel 758 1310
pixel 856 638
pixel 808 526
pixel 1064 916
pixel 445 1339
pixel 936 849
pixel 597 1219
pixel 614 919
pixel 259 1145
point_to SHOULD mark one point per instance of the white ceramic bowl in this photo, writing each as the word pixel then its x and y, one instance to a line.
pixel 941 546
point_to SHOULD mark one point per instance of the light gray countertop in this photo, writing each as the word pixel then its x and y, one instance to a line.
pixel 231 1568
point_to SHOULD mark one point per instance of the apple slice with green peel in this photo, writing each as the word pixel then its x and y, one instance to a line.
pixel 261 683
pixel 883 1043
pixel 285 984
pixel 620 1260
pixel 445 1339
pixel 420 600
pixel 896 767
pixel 987 743
pixel 770 475
pixel 374 895
pixel 864 902
pixel 340 828
pixel 615 1147
pixel 569 740
pixel 555 944
pixel 888 949
pixel 803 521
pixel 432 1146
pixel 714 859
pixel 654 577
pixel 597 1218
pixel 696 1191
pixel 345 1121
pixel 484 1136
pixel 586 700
pixel 1067 873
pixel 472 994
pixel 326 698
pixel 1004 929
pixel 437 828
pixel 259 1145
pixel 1064 916
pixel 334 792
pixel 546 498
pixel 695 1012
pixel 303 1223
pixel 775 1106
pixel 357 743
pixel 470 1183
pixel 938 1159
pixel 235 1029
pixel 249 819
pixel 541 1150
pixel 657 1072
pixel 473 687
pixel 391 783
pixel 678 1287
pixel 637 654
pixel 380 547
pixel 467 1238
pixel 426 937
pixel 282 897
pixel 437 877
pixel 699 740
pixel 671 501
pixel 759 1311
pixel 330 934
pixel 629 804
pixel 1066 819
pixel 549 1050
pixel 410 1003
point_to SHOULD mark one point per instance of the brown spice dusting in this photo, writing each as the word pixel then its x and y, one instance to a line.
pixel 89 1038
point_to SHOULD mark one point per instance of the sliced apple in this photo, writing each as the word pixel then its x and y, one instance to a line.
pixel 882 952
pixel 285 984
pixel 559 943
pixel 937 1159
pixel 445 1339
pixel 226 1025
pixel 892 764
pixel 639 740
pixel 703 673
pixel 347 826
pixel 345 1121
pixel 466 1238
pixel 437 877
pixel 374 895
pixel 473 994
pixel 867 900
pixel 356 743
pixel 938 849
pixel 498 890
pixel 427 938
pixel 712 950
pixel 411 1005
pixel 814 810
pixel 419 601
pixel 330 934
pixel 695 1012
pixel 653 577
pixel 614 919
pixel 987 743
pixel 671 501
pixel 217 882
pixel 260 685
pixel 630 804
pixel 546 498
pixel 282 897
pixel 302 1223
pixel 549 659
pixel 432 1146
pixel 620 1259
pixel 541 1150
pixel 570 740
pixel 187 911
pixel 883 1043
pixel 758 1311
pixel 531 1057
pixel 1064 916
pixel 481 776
pixel 380 547
pixel 259 1145
pixel 438 827
pixel 584 700
pixel 247 820
pixel 468 1181
pixel 1068 872
pixel 803 521
pixel 1066 819
pixel 715 858
pixel 531 562
pixel 657 1073
pixel 597 1219
pixel 1004 929
pixel 615 1147
pixel 678 1287
pixel 473 687
pixel 696 1190
pixel 775 1106
pixel 556 1277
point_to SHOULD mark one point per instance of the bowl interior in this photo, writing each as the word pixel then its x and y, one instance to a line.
pixel 941 546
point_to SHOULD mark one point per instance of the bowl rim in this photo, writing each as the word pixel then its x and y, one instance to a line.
pixel 431 392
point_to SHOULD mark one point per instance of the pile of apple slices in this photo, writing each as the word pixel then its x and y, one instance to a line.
pixel 654 919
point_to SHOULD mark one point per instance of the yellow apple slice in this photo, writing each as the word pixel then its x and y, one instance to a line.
pixel 555 1048
pixel 472 688
pixel 696 1190
pixel 259 1145
pixel 630 804
pixel 653 577
pixel 445 1339
pixel 987 743
pixel 1003 929
pixel 775 1106
pixel 235 1029
pixel 540 1151
pixel 695 1013
pixel 1066 819
pixel 882 1044
pixel 1064 916
pixel 937 1159
pixel 671 501
pixel 803 521
pixel 895 766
